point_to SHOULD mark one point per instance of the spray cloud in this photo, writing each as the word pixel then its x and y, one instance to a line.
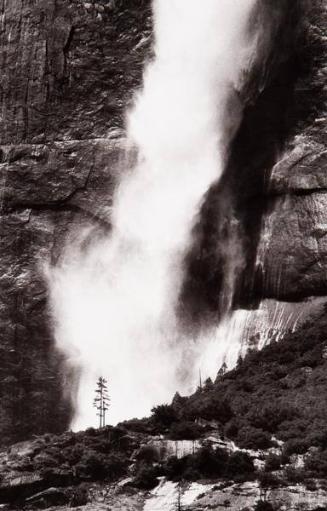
pixel 115 302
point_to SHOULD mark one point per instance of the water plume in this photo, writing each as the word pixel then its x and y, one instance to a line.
pixel 114 301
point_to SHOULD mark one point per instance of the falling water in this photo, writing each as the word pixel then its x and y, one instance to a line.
pixel 243 330
pixel 114 302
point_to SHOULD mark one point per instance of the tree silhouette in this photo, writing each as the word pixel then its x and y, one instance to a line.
pixel 179 498
pixel 101 401
pixel 222 371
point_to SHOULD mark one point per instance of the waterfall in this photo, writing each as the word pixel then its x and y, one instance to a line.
pixel 114 300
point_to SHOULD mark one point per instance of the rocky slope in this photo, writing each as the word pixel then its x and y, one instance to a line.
pixel 68 71
pixel 200 496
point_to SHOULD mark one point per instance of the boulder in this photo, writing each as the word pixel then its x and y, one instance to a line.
pixel 18 488
pixel 48 498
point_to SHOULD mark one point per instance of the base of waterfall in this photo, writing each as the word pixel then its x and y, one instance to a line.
pixel 255 437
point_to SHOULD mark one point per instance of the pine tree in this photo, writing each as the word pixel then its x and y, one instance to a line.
pixel 208 384
pixel 239 362
pixel 222 371
pixel 200 381
pixel 179 498
pixel 101 401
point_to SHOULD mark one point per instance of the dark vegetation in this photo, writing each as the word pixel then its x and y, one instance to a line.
pixel 207 463
pixel 277 392
pixel 63 467
pixel 263 505
pixel 93 455
pixel 281 391
pixel 60 466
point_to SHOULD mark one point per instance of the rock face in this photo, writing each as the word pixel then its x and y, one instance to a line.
pixel 247 496
pixel 296 193
pixel 268 212
pixel 290 247
pixel 68 71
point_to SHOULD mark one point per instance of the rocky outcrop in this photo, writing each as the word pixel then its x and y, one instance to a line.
pixel 247 495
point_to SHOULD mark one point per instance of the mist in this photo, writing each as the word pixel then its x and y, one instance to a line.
pixel 114 302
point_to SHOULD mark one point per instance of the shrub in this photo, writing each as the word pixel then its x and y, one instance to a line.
pixel 263 505
pixel 271 416
pixel 44 461
pixel 102 446
pixel 91 466
pixel 97 467
pixel 148 454
pixel 273 462
pixel 205 463
pixel 317 464
pixel 79 497
pixel 268 480
pixel 208 384
pixel 239 463
pixel 90 432
pixel 253 438
pixel 295 446
pixel 311 358
pixel 176 467
pixel 211 407
pixel 311 485
pixel 295 429
pixel 318 436
pixel 147 477
pixel 294 475
pixel 209 462
pixel 74 454
pixel 115 467
pixel 138 425
pixel 184 430
pixel 164 415
pixel 232 428
pixel 55 453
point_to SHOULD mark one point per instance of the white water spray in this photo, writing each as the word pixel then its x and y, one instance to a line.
pixel 115 302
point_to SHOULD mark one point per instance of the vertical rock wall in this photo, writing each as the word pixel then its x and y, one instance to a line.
pixel 68 70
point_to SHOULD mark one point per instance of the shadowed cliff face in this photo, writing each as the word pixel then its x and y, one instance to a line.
pixel 261 230
pixel 291 255
pixel 68 72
